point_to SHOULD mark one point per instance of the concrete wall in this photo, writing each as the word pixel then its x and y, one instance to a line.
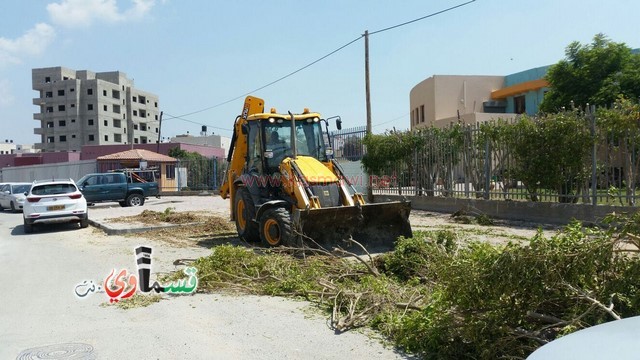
pixel 73 170
pixel 473 118
pixel 443 96
pixel 540 212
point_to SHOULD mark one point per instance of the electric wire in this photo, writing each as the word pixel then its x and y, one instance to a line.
pixel 181 117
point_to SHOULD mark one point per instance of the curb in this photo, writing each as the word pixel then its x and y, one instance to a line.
pixel 112 231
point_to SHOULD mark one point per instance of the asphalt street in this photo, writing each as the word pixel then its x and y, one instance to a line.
pixel 41 313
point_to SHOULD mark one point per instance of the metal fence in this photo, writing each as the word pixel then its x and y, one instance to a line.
pixel 470 165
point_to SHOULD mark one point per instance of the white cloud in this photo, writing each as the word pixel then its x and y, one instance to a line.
pixel 83 13
pixel 33 42
pixel 6 98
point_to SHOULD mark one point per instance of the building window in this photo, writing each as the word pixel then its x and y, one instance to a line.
pixel 106 138
pixel 156 104
pixel 89 91
pixel 143 114
pixel 47 79
pixel 519 104
pixel 90 106
pixel 135 126
pixel 117 138
pixel 60 92
pixel 91 137
pixel 73 136
pixel 135 141
pixel 143 126
pixel 49 124
pixel 90 122
pixel 156 117
pixel 62 123
pixel 116 109
pixel 105 108
pixel 104 92
pixel 65 78
pixel 72 90
pixel 73 120
pixel 50 139
pixel 49 109
pixel 143 139
pixel 142 99
pixel 421 113
pixel 73 105
pixel 115 94
pixel 117 123
pixel 48 94
pixel 170 171
pixel 106 123
pixel 63 138
pixel 61 108
pixel 156 130
pixel 135 112
pixel 135 99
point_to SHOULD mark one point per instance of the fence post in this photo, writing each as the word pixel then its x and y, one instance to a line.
pixel 215 173
pixel 594 154
pixel 487 170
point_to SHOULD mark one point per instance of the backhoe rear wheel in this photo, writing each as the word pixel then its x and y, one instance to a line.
pixel 245 212
pixel 275 228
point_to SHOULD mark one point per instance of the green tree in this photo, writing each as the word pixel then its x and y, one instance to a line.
pixel 594 73
pixel 200 174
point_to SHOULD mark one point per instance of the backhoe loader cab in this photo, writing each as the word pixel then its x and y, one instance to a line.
pixel 285 187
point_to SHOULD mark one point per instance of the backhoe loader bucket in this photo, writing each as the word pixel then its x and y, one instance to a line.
pixel 372 225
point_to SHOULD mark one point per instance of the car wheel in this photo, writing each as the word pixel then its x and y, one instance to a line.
pixel 13 207
pixel 84 223
pixel 135 200
pixel 28 228
pixel 275 228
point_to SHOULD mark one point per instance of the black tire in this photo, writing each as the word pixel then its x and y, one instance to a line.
pixel 28 228
pixel 245 224
pixel 135 200
pixel 13 207
pixel 275 228
pixel 84 223
pixel 122 203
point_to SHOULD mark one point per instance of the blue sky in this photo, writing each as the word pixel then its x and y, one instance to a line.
pixel 196 54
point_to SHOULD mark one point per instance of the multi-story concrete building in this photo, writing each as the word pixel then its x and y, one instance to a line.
pixel 85 108
pixel 443 99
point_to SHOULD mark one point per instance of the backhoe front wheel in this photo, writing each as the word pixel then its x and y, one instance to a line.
pixel 275 227
pixel 245 212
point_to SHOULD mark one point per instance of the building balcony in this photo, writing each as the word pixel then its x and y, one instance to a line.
pixel 38 116
pixel 38 131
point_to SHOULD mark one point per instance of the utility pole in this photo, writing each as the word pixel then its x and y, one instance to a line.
pixel 366 79
pixel 368 100
pixel 159 132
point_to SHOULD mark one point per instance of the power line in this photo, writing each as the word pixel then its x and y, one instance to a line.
pixel 275 81
pixel 388 121
pixel 195 122
pixel 316 61
pixel 421 18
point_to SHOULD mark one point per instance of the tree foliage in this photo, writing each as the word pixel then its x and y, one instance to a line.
pixel 594 73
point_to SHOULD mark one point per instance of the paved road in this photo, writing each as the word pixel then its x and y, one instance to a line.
pixel 38 306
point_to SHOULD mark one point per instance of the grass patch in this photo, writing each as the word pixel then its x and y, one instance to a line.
pixel 136 301
pixel 440 296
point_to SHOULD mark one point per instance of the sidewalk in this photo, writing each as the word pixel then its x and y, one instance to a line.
pixel 101 213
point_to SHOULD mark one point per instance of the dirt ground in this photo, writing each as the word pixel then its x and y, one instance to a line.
pixel 209 225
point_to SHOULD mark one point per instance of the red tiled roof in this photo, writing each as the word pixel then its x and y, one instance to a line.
pixel 138 154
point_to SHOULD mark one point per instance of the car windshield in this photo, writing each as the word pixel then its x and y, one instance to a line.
pixel 53 189
pixel 20 189
pixel 310 140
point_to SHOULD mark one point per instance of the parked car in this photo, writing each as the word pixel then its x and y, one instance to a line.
pixel 12 195
pixel 126 188
pixel 52 201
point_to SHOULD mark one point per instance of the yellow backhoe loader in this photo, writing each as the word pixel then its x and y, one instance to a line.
pixel 285 187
